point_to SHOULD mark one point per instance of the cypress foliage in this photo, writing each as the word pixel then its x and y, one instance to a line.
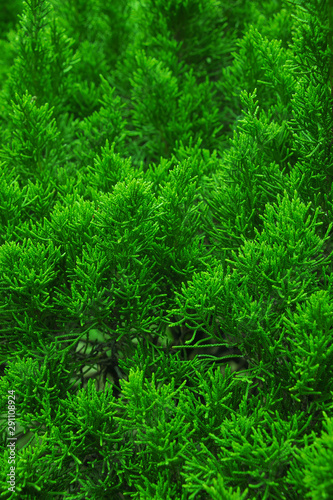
pixel 166 219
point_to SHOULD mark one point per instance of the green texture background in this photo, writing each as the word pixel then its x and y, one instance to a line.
pixel 166 312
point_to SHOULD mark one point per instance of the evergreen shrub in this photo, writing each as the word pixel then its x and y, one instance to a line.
pixel 166 212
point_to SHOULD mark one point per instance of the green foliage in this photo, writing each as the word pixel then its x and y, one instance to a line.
pixel 9 13
pixel 43 58
pixel 35 148
pixel 311 475
pixel 106 124
pixel 166 249
pixel 259 64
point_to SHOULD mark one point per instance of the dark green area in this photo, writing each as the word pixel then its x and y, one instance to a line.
pixel 166 212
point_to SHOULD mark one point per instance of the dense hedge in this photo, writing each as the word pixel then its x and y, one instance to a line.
pixel 166 310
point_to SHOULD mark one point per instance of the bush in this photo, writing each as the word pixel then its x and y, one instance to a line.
pixel 166 278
